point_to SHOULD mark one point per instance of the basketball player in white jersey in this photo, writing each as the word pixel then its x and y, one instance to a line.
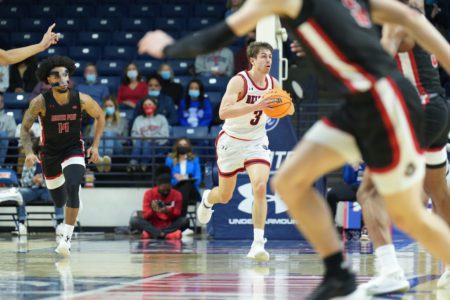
pixel 243 143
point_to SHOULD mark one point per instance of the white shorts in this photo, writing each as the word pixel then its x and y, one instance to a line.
pixel 234 155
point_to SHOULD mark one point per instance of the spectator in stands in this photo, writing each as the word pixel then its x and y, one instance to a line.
pixel 132 88
pixel 22 76
pixel 41 87
pixel 185 170
pixel 232 6
pixel 148 125
pixel 170 87
pixel 33 189
pixel 115 127
pixel 195 109
pixel 241 61
pixel 4 78
pixel 161 216
pixel 218 63
pixel 91 87
pixel 165 104
pixel 7 130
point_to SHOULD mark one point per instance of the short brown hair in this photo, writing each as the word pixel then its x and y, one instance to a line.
pixel 254 48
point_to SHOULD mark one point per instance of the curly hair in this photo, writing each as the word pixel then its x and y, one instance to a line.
pixel 52 62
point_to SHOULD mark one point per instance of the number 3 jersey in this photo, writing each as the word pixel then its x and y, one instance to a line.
pixel 61 125
pixel 250 126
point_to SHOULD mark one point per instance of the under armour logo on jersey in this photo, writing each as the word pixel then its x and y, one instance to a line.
pixel 410 169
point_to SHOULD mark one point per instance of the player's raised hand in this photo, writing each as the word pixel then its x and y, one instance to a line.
pixel 92 153
pixel 154 42
pixel 30 160
pixel 50 37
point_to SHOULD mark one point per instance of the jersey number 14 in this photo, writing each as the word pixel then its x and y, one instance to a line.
pixel 63 127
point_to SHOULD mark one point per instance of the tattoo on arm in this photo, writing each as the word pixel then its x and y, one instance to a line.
pixel 36 107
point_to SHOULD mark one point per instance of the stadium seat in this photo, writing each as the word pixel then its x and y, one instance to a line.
pixel 119 52
pixel 54 50
pixel 111 10
pixel 94 38
pixel 127 113
pixel 70 24
pixel 137 24
pixel 80 64
pixel 190 132
pixel 102 24
pixel 127 38
pixel 148 66
pixel 144 10
pixel 214 131
pixel 110 67
pixel 215 97
pixel 67 38
pixel 25 38
pixel 181 66
pixel 13 11
pixel 8 24
pixel 214 84
pixel 198 23
pixel 175 10
pixel 113 82
pixel 89 53
pixel 78 79
pixel 78 11
pixel 183 80
pixel 16 114
pixel 34 24
pixel 16 100
pixel 170 24
pixel 209 10
pixel 45 11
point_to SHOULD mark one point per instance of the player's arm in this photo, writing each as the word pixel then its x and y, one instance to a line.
pixel 396 39
pixel 158 44
pixel 94 110
pixel 36 107
pixel 230 107
pixel 17 55
pixel 276 84
pixel 416 25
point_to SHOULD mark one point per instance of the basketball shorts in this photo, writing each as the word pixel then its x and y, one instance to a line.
pixel 53 165
pixel 234 155
pixel 383 127
pixel 437 127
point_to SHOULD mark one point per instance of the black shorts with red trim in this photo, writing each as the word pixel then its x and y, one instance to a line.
pixel 437 122
pixel 52 164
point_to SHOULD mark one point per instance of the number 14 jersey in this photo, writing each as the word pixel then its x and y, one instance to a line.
pixel 250 126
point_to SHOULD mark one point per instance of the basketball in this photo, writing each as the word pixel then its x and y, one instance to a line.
pixel 282 105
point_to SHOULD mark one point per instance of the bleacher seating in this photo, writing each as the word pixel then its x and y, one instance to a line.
pixel 13 11
pixel 110 67
pixel 80 64
pixel 181 66
pixel 148 66
pixel 88 53
pixel 139 24
pixel 45 11
pixel 16 100
pixel 127 38
pixel 19 39
pixel 8 24
pixel 78 11
pixel 16 113
pixel 102 24
pixel 126 53
pixel 70 24
pixel 97 38
pixel 56 50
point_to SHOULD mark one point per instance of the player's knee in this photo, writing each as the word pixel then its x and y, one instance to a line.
pixel 59 196
pixel 73 200
pixel 259 190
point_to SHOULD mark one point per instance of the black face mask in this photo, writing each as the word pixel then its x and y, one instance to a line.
pixel 164 193
pixel 183 150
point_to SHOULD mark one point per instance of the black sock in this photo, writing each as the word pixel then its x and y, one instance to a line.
pixel 335 266
pixel 59 221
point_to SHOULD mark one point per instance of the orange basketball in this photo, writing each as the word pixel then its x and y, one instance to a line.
pixel 283 102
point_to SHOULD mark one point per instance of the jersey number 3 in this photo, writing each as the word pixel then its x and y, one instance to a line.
pixel 63 127
pixel 257 117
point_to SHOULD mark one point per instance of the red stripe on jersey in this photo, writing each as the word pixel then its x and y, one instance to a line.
pixel 419 85
pixel 256 86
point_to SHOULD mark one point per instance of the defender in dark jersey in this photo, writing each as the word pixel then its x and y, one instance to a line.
pixel 421 69
pixel 62 148
pixel 380 121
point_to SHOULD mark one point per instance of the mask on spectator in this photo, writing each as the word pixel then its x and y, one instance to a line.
pixel 165 75
pixel 164 193
pixel 91 78
pixel 132 74
pixel 110 110
pixel 194 93
pixel 153 93
pixel 149 110
pixel 182 150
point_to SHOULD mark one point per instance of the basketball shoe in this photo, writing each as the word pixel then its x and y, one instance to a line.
pixel 257 251
pixel 444 281
pixel 387 282
pixel 333 288
pixel 63 248
pixel 204 212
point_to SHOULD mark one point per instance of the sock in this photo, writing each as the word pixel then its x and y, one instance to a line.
pixel 336 266
pixel 22 222
pixel 207 204
pixel 68 230
pixel 59 221
pixel 258 234
pixel 386 258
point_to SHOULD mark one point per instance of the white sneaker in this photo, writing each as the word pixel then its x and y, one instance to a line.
pixel 63 248
pixel 203 213
pixel 394 281
pixel 444 281
pixel 60 229
pixel 257 251
pixel 188 232
pixel 21 230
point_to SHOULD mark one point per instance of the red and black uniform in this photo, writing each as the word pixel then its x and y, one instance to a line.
pixel 61 138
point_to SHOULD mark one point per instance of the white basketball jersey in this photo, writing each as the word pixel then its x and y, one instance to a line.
pixel 250 126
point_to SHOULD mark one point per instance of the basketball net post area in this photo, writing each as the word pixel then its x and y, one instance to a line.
pixel 269 30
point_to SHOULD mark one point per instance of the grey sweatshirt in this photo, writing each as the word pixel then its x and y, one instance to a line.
pixel 156 126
